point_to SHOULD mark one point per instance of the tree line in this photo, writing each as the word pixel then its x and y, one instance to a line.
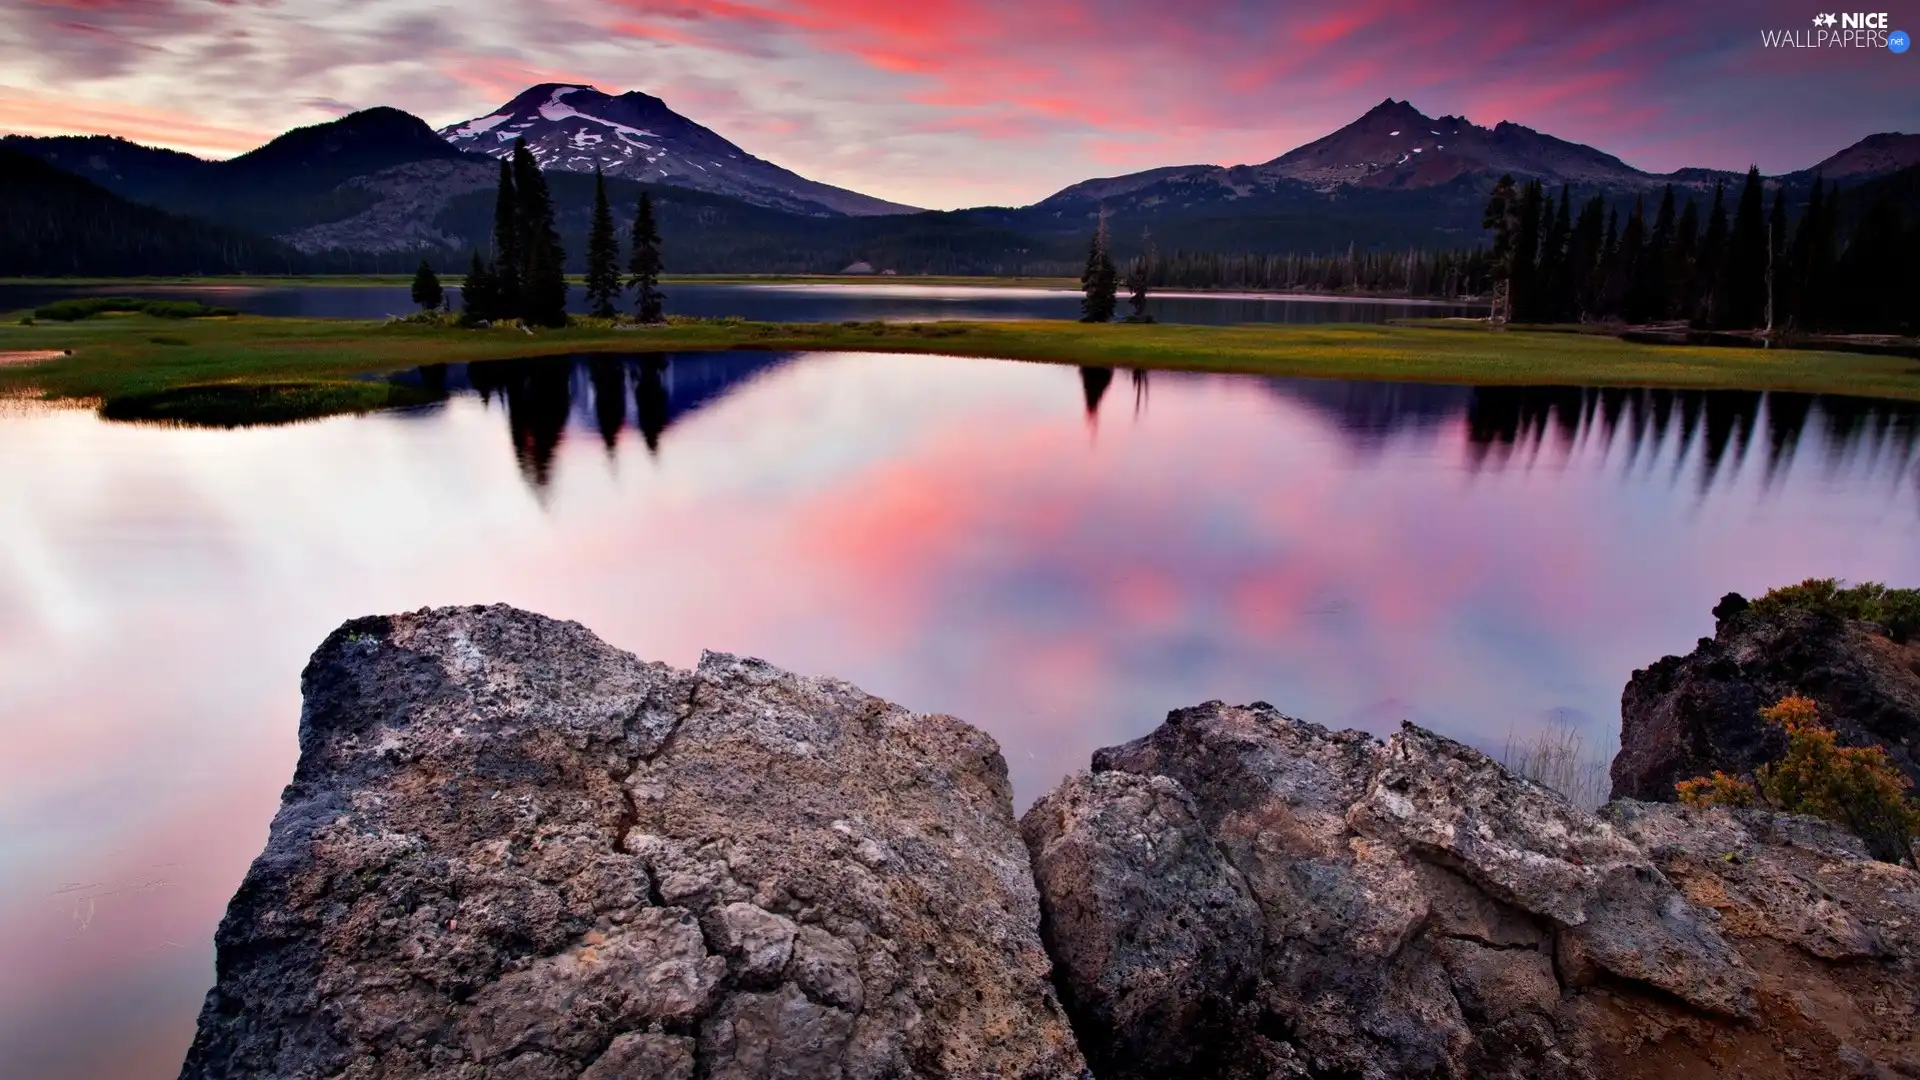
pixel 522 275
pixel 1746 267
pixel 1444 274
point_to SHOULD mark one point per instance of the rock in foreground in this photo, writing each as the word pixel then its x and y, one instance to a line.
pixel 510 850
pixel 1243 895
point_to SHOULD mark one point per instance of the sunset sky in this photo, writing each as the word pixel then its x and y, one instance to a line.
pixel 946 103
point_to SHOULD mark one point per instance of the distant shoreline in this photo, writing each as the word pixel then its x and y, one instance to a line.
pixel 1065 284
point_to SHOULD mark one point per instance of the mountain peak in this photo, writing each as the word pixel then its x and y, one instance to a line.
pixel 1395 145
pixel 1888 151
pixel 578 128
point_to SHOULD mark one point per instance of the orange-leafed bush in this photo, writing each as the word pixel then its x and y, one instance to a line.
pixel 1855 787
pixel 1718 789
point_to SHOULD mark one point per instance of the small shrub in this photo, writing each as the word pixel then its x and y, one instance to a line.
pixel 1718 789
pixel 1896 609
pixel 1855 787
pixel 164 339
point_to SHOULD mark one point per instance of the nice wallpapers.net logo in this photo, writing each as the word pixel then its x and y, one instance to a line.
pixel 1841 30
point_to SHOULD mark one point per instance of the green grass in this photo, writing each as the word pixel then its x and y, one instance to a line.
pixel 319 365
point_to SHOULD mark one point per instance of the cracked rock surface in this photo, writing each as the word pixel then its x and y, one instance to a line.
pixel 512 851
pixel 1240 894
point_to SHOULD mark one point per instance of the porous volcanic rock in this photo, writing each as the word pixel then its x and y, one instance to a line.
pixel 1417 911
pixel 511 850
pixel 1686 716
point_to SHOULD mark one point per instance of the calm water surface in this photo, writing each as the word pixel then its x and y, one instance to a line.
pixel 1058 555
pixel 788 303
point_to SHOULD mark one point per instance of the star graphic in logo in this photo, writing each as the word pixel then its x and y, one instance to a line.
pixel 1830 19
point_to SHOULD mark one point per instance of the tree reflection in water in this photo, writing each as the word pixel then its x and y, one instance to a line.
pixel 1710 432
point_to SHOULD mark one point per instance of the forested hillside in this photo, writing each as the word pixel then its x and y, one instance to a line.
pixel 55 223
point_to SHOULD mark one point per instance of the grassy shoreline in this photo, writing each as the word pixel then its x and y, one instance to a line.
pixel 295 368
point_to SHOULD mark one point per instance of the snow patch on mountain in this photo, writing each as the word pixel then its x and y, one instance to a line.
pixel 578 129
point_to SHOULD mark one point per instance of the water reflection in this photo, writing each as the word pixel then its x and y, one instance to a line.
pixel 940 531
pixel 1093 385
pixel 1709 432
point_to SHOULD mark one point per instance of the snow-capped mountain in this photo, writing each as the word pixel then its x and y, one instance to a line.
pixel 636 136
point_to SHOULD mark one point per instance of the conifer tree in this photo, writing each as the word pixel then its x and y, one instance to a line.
pixel 1686 242
pixel 1555 303
pixel 1653 292
pixel 1743 278
pixel 543 280
pixel 507 256
pixel 1503 217
pixel 1139 271
pixel 1798 291
pixel 479 297
pixel 1100 282
pixel 646 265
pixel 1583 258
pixel 1776 257
pixel 1713 256
pixel 426 287
pixel 1623 295
pixel 603 254
pixel 1523 297
pixel 1606 298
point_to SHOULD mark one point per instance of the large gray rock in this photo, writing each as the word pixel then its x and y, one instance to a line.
pixel 1417 911
pixel 510 850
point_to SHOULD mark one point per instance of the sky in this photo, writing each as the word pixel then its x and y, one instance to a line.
pixel 948 103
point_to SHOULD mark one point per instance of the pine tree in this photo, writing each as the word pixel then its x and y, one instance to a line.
pixel 507 256
pixel 1776 256
pixel 1623 294
pixel 1652 282
pixel 1523 296
pixel 1680 269
pixel 1605 272
pixel 1583 259
pixel 1743 280
pixel 646 265
pixel 1800 256
pixel 1555 300
pixel 1503 217
pixel 426 287
pixel 603 254
pixel 543 280
pixel 1139 271
pixel 1712 262
pixel 479 296
pixel 1101 280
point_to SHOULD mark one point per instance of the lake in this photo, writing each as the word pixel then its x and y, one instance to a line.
pixel 1058 555
pixel 861 301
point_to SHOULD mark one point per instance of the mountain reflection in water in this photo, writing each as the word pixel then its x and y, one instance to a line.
pixel 545 397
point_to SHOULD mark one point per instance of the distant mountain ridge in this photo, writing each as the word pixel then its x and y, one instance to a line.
pixel 1394 146
pixel 576 128
pixel 380 187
